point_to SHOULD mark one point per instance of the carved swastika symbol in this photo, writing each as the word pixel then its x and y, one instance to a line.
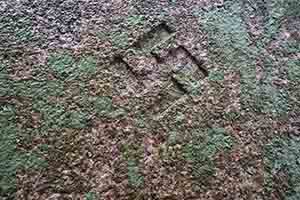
pixel 158 58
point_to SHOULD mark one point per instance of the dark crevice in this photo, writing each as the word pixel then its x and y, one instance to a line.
pixel 158 59
pixel 178 85
pixel 162 26
pixel 118 59
pixel 195 60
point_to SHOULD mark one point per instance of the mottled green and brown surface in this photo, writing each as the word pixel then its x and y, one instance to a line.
pixel 146 99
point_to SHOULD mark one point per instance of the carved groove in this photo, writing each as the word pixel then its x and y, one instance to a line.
pixel 160 42
pixel 178 85
pixel 195 60
pixel 119 59
pixel 155 36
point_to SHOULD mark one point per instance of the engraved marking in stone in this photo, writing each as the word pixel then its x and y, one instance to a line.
pixel 126 82
pixel 160 33
pixel 183 69
pixel 182 59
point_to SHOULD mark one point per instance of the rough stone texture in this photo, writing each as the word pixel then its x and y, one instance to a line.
pixel 151 59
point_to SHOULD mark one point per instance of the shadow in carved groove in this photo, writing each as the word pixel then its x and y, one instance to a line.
pixel 153 37
pixel 180 60
pixel 194 60
pixel 119 60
